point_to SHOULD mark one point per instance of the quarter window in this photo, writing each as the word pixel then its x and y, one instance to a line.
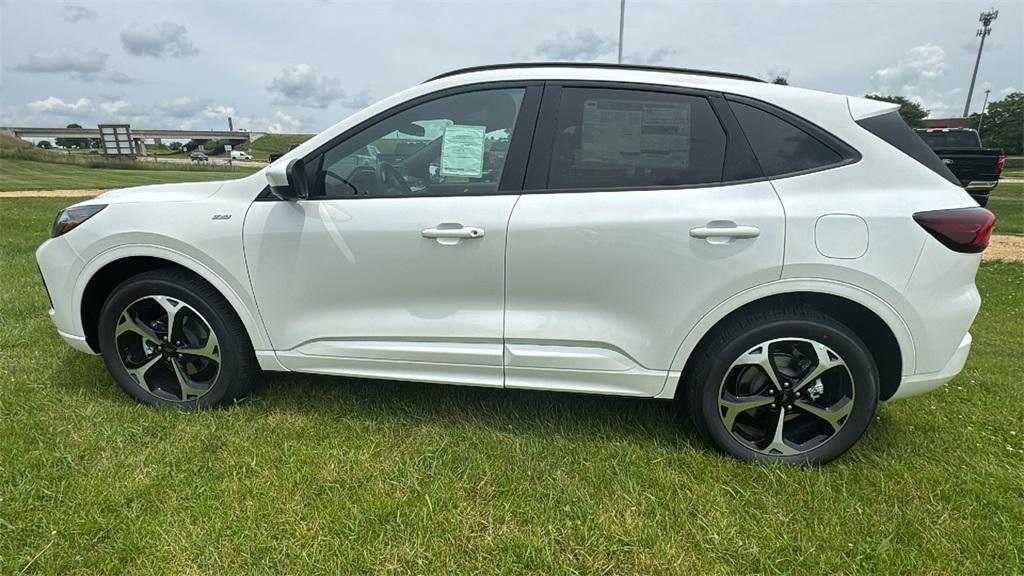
pixel 452 145
pixel 615 138
pixel 781 147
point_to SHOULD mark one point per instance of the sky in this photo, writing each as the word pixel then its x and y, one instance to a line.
pixel 301 66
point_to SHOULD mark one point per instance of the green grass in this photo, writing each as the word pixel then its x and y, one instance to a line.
pixel 272 143
pixel 32 175
pixel 329 475
pixel 1007 202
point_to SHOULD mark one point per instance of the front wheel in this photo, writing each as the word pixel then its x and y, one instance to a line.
pixel 170 339
pixel 784 384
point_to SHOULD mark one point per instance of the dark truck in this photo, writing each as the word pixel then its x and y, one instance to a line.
pixel 960 149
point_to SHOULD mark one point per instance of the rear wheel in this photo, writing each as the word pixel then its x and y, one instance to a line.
pixel 169 339
pixel 787 384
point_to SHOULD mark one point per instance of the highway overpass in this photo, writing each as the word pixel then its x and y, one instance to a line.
pixel 140 135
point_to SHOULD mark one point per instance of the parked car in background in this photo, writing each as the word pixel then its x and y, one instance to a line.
pixel 976 168
pixel 703 237
pixel 198 156
pixel 240 155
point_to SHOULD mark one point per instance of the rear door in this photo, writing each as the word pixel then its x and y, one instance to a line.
pixel 644 209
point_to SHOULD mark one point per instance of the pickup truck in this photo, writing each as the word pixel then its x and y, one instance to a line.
pixel 960 149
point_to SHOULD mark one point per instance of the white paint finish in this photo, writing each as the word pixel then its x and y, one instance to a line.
pixel 633 382
pixel 444 352
pixel 928 381
pixel 566 357
pixel 360 269
pixel 607 292
pixel 842 236
pixel 429 372
pixel 862 108
pixel 620 271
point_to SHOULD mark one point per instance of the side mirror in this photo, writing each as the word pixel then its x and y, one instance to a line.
pixel 288 181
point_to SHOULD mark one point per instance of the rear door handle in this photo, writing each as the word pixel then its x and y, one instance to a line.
pixel 725 232
pixel 460 232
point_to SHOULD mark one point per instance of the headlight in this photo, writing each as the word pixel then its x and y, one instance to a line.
pixel 69 218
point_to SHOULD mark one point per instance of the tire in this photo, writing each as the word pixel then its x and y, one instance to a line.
pixel 207 362
pixel 737 407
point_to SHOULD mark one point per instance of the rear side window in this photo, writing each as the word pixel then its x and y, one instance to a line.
pixel 619 138
pixel 891 128
pixel 781 147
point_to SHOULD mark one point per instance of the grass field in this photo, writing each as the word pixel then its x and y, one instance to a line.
pixel 1007 202
pixel 32 175
pixel 273 143
pixel 323 475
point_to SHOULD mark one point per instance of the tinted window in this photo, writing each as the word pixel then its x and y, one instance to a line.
pixel 454 144
pixel 608 138
pixel 891 128
pixel 781 147
pixel 951 139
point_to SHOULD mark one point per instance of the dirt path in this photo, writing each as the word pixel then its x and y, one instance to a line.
pixel 50 193
pixel 1002 246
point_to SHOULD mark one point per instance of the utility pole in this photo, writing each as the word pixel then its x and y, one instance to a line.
pixel 622 21
pixel 982 118
pixel 986 19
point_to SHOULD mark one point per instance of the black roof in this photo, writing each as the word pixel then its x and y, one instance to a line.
pixel 596 65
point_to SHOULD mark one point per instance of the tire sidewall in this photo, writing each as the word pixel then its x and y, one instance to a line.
pixel 136 288
pixel 841 340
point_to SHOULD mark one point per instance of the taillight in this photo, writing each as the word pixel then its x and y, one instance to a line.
pixel 1000 164
pixel 959 229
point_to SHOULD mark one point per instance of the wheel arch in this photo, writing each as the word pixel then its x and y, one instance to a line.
pixel 104 272
pixel 880 327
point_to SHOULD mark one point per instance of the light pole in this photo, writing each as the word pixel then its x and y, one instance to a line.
pixel 986 19
pixel 982 118
pixel 622 21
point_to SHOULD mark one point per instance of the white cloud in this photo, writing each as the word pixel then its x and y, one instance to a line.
pixel 302 85
pixel 920 65
pixel 583 46
pixel 157 40
pixel 219 111
pixel 184 107
pixel 64 60
pixel 59 107
pixel 283 123
pixel 74 13
pixel 654 57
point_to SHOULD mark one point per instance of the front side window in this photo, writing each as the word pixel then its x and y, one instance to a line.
pixel 452 145
pixel 618 138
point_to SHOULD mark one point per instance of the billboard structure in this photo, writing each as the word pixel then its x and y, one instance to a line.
pixel 116 140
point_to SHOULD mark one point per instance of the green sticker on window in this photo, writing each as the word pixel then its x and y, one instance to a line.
pixel 462 151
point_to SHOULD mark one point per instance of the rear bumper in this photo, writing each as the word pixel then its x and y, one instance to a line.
pixel 981 185
pixel 921 383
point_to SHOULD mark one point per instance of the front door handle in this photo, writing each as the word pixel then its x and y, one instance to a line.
pixel 459 232
pixel 725 232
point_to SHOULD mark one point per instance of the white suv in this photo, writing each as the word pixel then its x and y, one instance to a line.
pixel 778 260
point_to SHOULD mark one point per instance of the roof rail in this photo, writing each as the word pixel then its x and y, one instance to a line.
pixel 595 65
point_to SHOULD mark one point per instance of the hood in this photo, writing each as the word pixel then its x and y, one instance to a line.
pixel 178 192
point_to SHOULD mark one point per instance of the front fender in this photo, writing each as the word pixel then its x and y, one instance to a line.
pixel 237 296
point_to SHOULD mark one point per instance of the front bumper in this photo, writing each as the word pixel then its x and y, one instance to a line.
pixel 60 265
pixel 921 383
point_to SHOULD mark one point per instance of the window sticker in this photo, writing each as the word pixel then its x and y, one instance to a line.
pixel 648 134
pixel 462 151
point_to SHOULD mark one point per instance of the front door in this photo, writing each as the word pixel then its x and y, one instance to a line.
pixel 394 267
